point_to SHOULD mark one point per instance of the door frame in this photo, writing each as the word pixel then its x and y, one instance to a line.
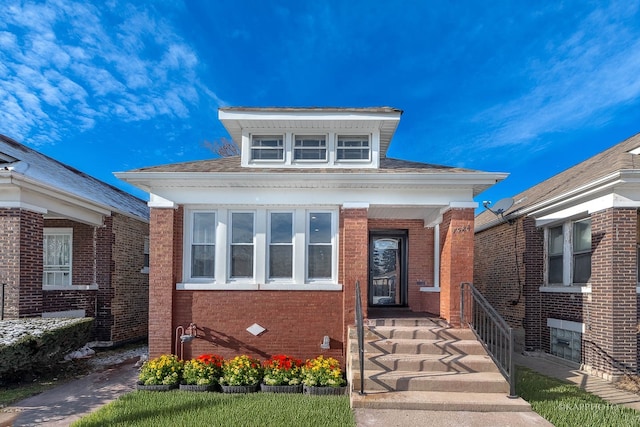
pixel 403 236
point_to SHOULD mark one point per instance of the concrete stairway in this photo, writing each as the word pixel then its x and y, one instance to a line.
pixel 421 363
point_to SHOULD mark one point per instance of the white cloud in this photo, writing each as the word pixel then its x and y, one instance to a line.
pixel 588 75
pixel 90 62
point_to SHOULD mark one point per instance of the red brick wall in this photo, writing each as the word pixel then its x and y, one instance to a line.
pixel 21 230
pixel 165 245
pixel 354 262
pixel 295 322
pixel 499 269
pixel 130 304
pixel 456 260
pixel 613 317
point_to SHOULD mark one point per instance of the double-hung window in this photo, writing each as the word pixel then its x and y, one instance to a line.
pixel 203 245
pixel 569 253
pixel 242 233
pixel 582 251
pixel 283 248
pixel 57 256
pixel 353 147
pixel 319 246
pixel 310 147
pixel 280 245
pixel 267 147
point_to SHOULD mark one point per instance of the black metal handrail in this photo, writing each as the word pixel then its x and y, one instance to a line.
pixel 360 331
pixel 491 329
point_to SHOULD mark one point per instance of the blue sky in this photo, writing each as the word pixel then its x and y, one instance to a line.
pixel 529 88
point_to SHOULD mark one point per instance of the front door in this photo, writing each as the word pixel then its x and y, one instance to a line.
pixel 387 268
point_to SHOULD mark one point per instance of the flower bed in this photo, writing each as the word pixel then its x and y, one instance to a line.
pixel 322 372
pixel 205 370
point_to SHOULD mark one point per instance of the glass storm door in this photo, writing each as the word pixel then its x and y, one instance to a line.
pixel 387 270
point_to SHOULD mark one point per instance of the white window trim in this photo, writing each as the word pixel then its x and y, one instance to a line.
pixel 267 134
pixel 345 134
pixel 311 134
pixel 278 280
pixel 260 280
pixel 230 244
pixel 331 146
pixel 65 231
pixel 567 284
pixel 145 251
pixel 334 257
pixel 188 242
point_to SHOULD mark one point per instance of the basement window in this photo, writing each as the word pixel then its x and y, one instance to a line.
pixel 566 339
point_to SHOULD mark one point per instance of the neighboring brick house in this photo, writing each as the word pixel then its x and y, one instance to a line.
pixel 72 246
pixel 278 237
pixel 561 263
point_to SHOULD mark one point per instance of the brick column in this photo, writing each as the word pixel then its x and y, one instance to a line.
pixel 354 249
pixel 533 260
pixel 456 260
pixel 165 248
pixel 610 341
pixel 31 263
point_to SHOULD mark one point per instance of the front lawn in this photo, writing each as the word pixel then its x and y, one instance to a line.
pixel 181 408
pixel 566 405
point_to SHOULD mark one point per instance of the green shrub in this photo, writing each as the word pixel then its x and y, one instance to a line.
pixel 42 348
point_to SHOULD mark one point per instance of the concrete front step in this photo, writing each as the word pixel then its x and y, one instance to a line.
pixel 414 346
pixel 426 362
pixel 475 382
pixel 410 321
pixel 439 401
pixel 412 332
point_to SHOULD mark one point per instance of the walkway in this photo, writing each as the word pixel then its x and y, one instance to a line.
pixel 552 367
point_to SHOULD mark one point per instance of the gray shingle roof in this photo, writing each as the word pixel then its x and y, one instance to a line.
pixel 614 159
pixel 232 165
pixel 39 167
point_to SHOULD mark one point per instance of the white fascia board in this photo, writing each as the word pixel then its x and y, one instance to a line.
pixel 19 191
pixel 148 181
pixel 436 197
pixel 308 115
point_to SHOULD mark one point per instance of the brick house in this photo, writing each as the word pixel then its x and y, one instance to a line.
pixel 72 246
pixel 262 251
pixel 561 263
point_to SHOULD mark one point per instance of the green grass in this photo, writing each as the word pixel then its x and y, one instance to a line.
pixel 180 408
pixel 566 405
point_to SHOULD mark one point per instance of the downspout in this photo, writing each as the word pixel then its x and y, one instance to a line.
pixel 2 308
pixel 436 256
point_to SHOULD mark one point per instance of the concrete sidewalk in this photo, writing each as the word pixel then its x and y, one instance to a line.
pixel 552 367
pixel 64 404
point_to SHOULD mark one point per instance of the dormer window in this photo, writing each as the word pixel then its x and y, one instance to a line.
pixel 353 147
pixel 310 147
pixel 267 147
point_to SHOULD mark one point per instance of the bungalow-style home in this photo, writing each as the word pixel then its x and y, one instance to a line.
pixel 561 262
pixel 72 246
pixel 260 253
